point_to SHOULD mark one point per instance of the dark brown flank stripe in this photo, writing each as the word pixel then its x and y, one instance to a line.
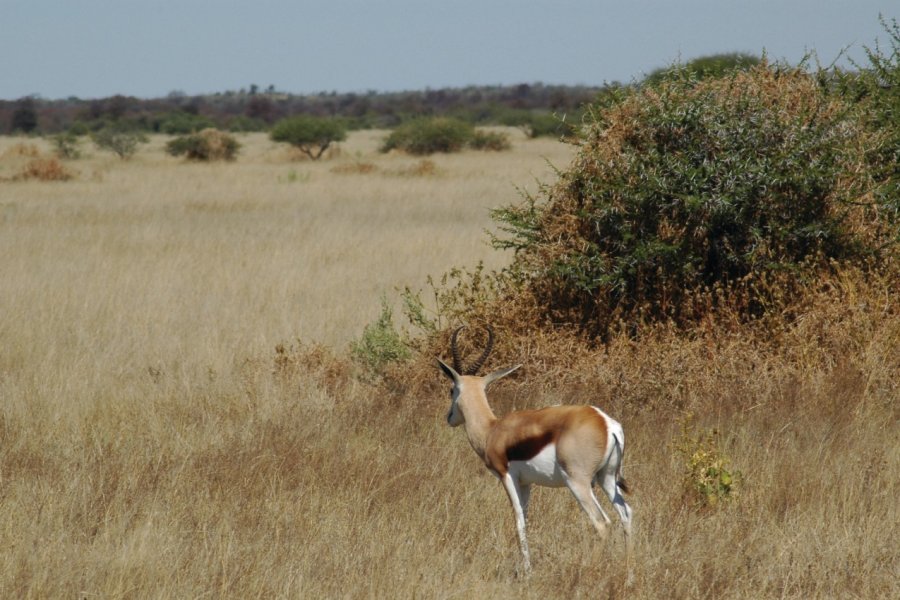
pixel 528 448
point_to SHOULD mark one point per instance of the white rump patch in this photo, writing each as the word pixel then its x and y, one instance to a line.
pixel 612 427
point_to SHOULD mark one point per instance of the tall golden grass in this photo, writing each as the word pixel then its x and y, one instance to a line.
pixel 154 443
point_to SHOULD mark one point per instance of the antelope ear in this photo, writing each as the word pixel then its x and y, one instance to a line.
pixel 492 377
pixel 448 371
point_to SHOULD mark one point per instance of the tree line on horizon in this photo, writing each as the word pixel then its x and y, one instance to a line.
pixel 257 109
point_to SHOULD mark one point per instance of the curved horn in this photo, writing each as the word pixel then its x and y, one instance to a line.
pixel 487 350
pixel 457 362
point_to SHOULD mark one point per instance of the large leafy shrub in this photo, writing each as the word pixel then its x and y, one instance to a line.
pixel 429 135
pixel 693 193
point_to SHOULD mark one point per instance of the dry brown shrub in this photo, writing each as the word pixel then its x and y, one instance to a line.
pixel 423 168
pixel 220 144
pixel 44 169
pixel 295 365
pixel 847 312
pixel 209 144
pixel 354 168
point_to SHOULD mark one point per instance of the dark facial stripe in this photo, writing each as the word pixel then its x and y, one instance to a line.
pixel 528 448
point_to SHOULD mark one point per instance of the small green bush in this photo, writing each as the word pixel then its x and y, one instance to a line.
pixel 66 145
pixel 548 125
pixel 380 343
pixel 490 140
pixel 708 478
pixel 209 144
pixel 430 135
pixel 540 124
pixel 121 142
pixel 311 135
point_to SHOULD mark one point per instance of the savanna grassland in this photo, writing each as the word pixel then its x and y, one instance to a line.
pixel 155 443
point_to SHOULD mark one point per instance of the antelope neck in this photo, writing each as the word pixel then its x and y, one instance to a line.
pixel 479 418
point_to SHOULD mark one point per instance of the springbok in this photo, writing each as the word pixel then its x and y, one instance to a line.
pixel 572 446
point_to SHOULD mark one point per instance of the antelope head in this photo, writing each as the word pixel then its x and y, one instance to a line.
pixel 467 385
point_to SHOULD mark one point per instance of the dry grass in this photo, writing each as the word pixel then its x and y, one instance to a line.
pixel 153 443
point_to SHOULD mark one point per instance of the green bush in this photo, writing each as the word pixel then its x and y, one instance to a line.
pixel 693 194
pixel 708 478
pixel 548 125
pixel 380 343
pixel 490 140
pixel 121 142
pixel 311 135
pixel 539 124
pixel 66 145
pixel 429 135
pixel 209 144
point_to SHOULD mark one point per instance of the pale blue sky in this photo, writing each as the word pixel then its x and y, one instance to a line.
pixel 147 48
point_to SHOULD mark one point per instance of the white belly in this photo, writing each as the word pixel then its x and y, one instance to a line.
pixel 541 469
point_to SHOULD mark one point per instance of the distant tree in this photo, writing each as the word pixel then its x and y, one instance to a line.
pixel 116 106
pixel 179 123
pixel 713 65
pixel 260 107
pixel 311 135
pixel 24 116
